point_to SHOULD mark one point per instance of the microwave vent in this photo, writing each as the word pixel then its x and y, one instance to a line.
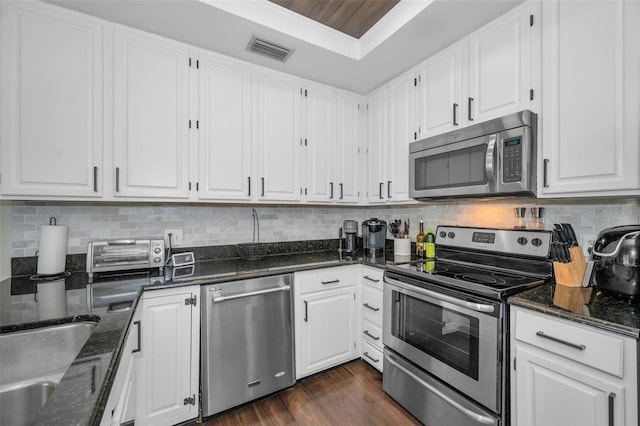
pixel 269 49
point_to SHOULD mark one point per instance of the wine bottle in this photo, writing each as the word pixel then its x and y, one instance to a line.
pixel 420 242
pixel 430 244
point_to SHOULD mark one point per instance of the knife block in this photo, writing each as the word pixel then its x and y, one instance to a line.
pixel 572 273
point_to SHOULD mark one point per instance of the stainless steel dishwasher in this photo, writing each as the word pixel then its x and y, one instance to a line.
pixel 247 341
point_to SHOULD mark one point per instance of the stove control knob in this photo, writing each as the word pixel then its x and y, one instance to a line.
pixel 522 241
pixel 156 260
pixel 536 242
pixel 451 235
pixel 157 250
pixel 443 234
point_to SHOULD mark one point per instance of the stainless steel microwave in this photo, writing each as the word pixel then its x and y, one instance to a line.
pixel 491 159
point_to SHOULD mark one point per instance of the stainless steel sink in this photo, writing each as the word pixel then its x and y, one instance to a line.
pixel 33 362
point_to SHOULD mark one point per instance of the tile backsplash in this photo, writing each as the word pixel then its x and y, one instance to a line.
pixel 207 225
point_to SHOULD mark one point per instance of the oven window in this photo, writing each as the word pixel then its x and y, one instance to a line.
pixel 447 335
pixel 463 167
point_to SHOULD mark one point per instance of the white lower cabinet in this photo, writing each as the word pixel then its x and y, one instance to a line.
pixel 325 318
pixel 565 373
pixel 157 380
pixel 371 310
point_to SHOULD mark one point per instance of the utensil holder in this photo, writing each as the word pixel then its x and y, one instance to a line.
pixel 402 247
pixel 571 274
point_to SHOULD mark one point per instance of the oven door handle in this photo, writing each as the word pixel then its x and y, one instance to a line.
pixel 478 307
pixel 475 416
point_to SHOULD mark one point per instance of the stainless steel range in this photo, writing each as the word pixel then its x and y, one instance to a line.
pixel 446 323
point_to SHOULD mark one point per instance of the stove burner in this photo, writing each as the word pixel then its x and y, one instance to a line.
pixel 510 277
pixel 480 278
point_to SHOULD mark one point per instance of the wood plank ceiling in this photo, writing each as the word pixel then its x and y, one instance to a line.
pixel 352 17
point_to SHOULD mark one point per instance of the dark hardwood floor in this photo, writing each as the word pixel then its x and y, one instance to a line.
pixel 350 394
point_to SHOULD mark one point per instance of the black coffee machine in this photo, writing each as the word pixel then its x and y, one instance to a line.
pixel 616 253
pixel 374 238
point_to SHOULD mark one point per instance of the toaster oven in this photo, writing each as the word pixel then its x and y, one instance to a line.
pixel 124 254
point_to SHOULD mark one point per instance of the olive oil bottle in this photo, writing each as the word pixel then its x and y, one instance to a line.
pixel 420 242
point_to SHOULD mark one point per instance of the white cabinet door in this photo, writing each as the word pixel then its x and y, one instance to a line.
pixel 319 143
pixel 590 105
pixel 552 392
pixel 51 122
pixel 376 148
pixel 498 73
pixel 278 137
pixel 346 161
pixel 168 362
pixel 441 79
pixel 327 330
pixel 400 101
pixel 224 136
pixel 151 122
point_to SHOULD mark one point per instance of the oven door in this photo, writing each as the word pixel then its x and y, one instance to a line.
pixel 456 339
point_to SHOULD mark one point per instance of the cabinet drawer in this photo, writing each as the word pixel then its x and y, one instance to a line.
pixel 573 341
pixel 372 277
pixel 372 355
pixel 324 279
pixel 372 333
pixel 372 304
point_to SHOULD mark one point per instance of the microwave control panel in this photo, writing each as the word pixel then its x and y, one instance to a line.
pixel 512 160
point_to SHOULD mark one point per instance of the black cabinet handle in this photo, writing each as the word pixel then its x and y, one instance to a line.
pixel 455 114
pixel 612 397
pixel 469 106
pixel 249 185
pixel 341 191
pixel 370 357
pixel 330 282
pixel 262 179
pixel 545 167
pixel 117 179
pixel 366 305
pixel 380 191
pixel 95 179
pixel 331 195
pixel 306 312
pixel 388 189
pixel 139 348
pixel 371 335
pixel 564 342
pixel 367 277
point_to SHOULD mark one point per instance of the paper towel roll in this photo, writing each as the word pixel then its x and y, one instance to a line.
pixel 52 299
pixel 53 249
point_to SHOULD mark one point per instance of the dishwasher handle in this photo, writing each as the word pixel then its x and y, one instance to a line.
pixel 217 299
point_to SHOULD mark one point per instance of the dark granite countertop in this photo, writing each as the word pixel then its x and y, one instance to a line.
pixel 82 393
pixel 583 305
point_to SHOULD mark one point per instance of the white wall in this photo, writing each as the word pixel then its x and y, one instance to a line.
pixel 205 225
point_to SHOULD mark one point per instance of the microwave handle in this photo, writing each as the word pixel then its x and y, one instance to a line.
pixel 489 161
pixel 121 242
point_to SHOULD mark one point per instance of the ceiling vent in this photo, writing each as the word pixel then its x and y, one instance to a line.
pixel 269 49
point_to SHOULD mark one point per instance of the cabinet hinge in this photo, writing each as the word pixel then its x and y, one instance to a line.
pixel 531 20
pixel 190 301
pixel 190 400
pixel 531 94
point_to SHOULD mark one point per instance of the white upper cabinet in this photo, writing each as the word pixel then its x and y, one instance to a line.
pixel 590 108
pixel 278 137
pixel 499 68
pixel 224 134
pixel 318 142
pixel 51 83
pixel 376 155
pixel 151 120
pixel 345 170
pixel 441 91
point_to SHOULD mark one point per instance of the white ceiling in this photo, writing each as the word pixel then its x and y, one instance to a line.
pixel 410 33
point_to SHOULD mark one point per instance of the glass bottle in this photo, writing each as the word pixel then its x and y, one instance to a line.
pixel 420 242
pixel 430 245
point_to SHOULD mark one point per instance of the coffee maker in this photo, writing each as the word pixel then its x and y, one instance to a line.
pixel 350 228
pixel 374 238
